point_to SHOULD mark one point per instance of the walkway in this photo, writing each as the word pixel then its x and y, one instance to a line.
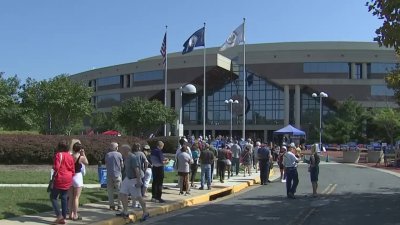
pixel 99 214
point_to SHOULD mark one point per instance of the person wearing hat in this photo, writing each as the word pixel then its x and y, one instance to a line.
pixel 290 162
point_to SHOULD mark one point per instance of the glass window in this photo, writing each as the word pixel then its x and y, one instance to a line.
pixel 381 90
pixel 382 67
pixel 325 67
pixel 106 101
pixel 265 101
pixel 108 81
pixel 148 76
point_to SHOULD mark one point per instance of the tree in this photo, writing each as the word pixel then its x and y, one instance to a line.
pixel 347 123
pixel 389 11
pixel 12 115
pixel 389 120
pixel 58 104
pixel 140 117
pixel 102 121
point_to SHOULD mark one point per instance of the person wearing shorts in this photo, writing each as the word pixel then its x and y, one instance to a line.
pixel 132 183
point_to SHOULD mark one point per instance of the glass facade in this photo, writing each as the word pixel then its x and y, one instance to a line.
pixel 326 67
pixel 106 101
pixel 264 103
pixel 108 81
pixel 381 90
pixel 148 76
pixel 382 67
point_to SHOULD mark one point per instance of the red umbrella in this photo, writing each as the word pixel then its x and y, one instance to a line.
pixel 112 132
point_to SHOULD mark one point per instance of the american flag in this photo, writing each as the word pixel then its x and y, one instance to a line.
pixel 163 49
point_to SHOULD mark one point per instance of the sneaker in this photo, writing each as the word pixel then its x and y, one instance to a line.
pixel 113 207
pixel 187 193
pixel 145 216
pixel 161 200
pixel 137 205
pixel 283 181
pixel 208 188
pixel 123 215
pixel 181 193
pixel 201 188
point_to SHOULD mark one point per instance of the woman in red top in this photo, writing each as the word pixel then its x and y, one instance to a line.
pixel 64 169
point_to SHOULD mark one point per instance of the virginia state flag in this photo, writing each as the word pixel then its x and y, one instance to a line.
pixel 235 38
pixel 197 39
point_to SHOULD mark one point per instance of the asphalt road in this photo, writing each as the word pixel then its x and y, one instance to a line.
pixel 349 195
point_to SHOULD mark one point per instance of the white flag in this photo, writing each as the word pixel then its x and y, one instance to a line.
pixel 235 38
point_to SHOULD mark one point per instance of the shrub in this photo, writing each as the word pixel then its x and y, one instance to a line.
pixel 39 149
pixel 170 143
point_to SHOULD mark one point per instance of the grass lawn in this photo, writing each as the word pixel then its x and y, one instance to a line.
pixel 37 177
pixel 23 201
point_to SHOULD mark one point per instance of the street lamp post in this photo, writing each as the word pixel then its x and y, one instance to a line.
pixel 320 95
pixel 231 102
pixel 186 89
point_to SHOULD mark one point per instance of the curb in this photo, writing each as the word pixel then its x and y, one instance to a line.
pixel 183 203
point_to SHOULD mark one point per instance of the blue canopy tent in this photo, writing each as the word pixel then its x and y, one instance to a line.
pixel 290 134
pixel 289 129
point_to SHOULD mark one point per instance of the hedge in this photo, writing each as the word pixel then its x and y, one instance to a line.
pixel 39 149
pixel 170 143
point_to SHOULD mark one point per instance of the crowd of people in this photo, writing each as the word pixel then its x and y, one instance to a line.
pixel 130 170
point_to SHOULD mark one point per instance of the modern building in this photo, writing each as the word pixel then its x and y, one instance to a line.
pixel 281 78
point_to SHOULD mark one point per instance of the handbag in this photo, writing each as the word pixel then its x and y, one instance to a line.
pixel 51 182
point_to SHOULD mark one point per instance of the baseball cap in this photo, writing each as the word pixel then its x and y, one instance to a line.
pixel 292 145
pixel 146 147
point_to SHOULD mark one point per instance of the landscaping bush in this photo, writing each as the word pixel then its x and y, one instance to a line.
pixel 170 143
pixel 39 149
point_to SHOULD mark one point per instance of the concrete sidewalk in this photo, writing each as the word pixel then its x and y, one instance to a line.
pixel 99 213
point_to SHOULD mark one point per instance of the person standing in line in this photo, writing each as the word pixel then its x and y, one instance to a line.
pixel 281 153
pixel 221 164
pixel 114 163
pixel 246 160
pixel 158 161
pixel 292 179
pixel 264 156
pixel 255 156
pixel 206 160
pixel 314 169
pixel 236 152
pixel 195 165
pixel 178 151
pixel 77 181
pixel 143 163
pixel 228 160
pixel 148 173
pixel 64 170
pixel 132 183
pixel 184 160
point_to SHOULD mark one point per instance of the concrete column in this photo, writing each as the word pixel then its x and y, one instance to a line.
pixel 297 108
pixel 287 101
pixel 168 105
pixel 364 71
pixel 353 70
pixel 125 78
pixel 131 80
pixel 178 109
pixel 265 136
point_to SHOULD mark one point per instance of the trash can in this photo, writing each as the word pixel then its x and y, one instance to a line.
pixel 102 173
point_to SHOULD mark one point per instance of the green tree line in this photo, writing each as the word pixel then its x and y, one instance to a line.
pixel 60 106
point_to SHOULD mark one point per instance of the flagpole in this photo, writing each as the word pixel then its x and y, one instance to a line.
pixel 204 86
pixel 165 78
pixel 244 81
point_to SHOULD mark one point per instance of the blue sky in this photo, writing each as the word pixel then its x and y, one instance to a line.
pixel 44 38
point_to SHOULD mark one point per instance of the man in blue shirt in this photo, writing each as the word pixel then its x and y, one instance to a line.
pixel 158 161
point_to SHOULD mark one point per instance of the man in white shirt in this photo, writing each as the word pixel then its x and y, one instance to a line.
pixel 290 163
